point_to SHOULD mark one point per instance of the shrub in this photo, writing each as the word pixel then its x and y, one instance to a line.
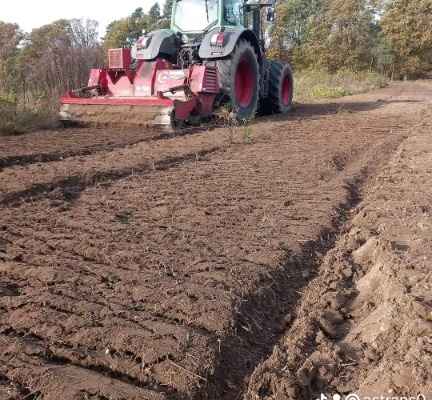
pixel 312 85
pixel 17 117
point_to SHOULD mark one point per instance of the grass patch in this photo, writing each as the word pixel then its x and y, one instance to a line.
pixel 16 118
pixel 311 86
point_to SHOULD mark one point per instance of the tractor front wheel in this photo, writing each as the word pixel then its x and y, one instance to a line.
pixel 239 80
pixel 280 89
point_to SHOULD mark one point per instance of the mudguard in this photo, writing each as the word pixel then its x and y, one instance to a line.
pixel 231 35
pixel 149 46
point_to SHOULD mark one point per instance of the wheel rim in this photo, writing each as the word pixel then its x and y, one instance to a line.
pixel 244 83
pixel 286 90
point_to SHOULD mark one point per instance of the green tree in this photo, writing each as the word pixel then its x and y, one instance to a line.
pixel 139 22
pixel 154 13
pixel 137 14
pixel 119 34
pixel 384 57
pixel 167 9
pixel 125 32
pixel 407 26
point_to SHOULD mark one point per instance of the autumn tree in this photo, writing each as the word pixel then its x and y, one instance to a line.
pixel 348 40
pixel 10 36
pixel 58 56
pixel 292 31
pixel 408 29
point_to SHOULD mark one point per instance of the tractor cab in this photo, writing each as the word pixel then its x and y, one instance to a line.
pixel 199 16
pixel 203 30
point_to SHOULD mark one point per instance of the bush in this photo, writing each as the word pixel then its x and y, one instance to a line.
pixel 311 85
pixel 17 118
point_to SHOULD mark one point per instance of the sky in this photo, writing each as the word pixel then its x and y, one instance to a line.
pixel 30 14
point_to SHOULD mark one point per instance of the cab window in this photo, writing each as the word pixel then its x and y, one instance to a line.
pixel 233 12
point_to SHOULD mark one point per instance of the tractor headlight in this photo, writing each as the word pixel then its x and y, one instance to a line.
pixel 185 39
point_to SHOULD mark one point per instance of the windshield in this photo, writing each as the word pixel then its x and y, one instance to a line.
pixel 195 15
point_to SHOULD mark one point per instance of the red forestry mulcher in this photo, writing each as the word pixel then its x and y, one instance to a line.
pixel 173 77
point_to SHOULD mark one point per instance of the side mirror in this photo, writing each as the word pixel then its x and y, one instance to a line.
pixel 270 14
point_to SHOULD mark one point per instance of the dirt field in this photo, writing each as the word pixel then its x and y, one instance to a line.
pixel 275 261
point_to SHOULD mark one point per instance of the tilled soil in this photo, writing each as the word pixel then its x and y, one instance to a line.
pixel 135 265
pixel 364 325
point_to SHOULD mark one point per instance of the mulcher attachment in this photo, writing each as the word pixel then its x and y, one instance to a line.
pixel 153 94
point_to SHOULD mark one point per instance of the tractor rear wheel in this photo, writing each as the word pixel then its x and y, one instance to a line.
pixel 239 80
pixel 280 90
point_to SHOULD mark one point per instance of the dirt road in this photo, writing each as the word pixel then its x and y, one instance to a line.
pixel 136 265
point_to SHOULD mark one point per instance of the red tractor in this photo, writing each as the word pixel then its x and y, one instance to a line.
pixel 171 77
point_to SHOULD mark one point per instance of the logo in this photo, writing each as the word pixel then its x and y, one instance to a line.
pixel 353 396
pixel 337 396
pixel 164 76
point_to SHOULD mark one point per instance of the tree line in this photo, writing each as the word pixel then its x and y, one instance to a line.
pixel 47 61
pixel 392 37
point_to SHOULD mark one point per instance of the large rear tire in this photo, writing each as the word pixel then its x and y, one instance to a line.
pixel 280 90
pixel 239 80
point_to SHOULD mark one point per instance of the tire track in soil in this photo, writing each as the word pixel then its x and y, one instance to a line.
pixel 59 354
pixel 363 324
pixel 26 159
pixel 33 176
pixel 12 390
pixel 266 314
pixel 68 379
pixel 71 187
